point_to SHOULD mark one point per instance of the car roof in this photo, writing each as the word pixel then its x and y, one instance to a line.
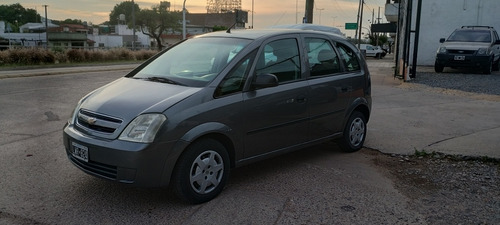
pixel 476 28
pixel 308 26
pixel 262 33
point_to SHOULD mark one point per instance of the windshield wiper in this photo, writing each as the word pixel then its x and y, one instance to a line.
pixel 162 80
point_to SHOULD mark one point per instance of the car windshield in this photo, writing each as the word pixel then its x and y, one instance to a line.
pixel 470 36
pixel 194 62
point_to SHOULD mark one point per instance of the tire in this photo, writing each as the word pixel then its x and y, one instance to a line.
pixel 438 68
pixel 488 68
pixel 496 65
pixel 354 133
pixel 201 172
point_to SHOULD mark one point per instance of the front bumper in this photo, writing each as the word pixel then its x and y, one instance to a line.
pixel 140 164
pixel 457 60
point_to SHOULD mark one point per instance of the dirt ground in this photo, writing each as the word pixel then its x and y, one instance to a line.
pixel 447 189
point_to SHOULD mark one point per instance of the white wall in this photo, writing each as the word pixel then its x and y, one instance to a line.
pixel 441 17
pixel 110 41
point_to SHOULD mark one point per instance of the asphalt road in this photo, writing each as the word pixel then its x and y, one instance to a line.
pixel 38 185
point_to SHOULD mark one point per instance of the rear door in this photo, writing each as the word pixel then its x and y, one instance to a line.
pixel 277 117
pixel 330 84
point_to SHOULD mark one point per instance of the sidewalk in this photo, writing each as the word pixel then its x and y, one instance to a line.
pixel 406 118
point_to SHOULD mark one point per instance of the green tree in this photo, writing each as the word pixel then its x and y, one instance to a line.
pixel 382 39
pixel 16 15
pixel 157 21
pixel 69 21
pixel 124 8
pixel 219 28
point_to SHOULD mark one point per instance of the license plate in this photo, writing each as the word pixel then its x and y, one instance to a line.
pixel 80 152
pixel 460 57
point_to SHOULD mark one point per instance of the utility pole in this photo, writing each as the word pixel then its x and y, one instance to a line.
pixel 184 20
pixel 360 23
pixel 308 18
pixel 46 29
pixel 252 14
pixel 357 22
pixel 378 18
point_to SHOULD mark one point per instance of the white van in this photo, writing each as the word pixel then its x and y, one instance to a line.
pixel 372 51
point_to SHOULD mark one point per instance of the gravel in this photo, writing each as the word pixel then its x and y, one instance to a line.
pixel 458 80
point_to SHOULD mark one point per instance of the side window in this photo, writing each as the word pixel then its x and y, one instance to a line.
pixel 322 58
pixel 235 80
pixel 349 57
pixel 280 58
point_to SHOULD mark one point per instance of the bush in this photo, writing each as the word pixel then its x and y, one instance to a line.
pixel 38 56
pixel 75 55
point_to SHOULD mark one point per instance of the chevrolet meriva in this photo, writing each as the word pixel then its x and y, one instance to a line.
pixel 194 111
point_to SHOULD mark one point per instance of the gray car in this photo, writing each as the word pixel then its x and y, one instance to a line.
pixel 191 113
pixel 470 46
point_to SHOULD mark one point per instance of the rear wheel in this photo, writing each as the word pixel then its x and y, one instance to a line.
pixel 201 171
pixel 354 133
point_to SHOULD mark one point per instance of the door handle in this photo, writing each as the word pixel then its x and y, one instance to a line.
pixel 300 99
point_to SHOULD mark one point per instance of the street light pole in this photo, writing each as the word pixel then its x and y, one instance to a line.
pixel 184 20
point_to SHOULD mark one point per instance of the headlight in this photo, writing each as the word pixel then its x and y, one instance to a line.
pixel 74 114
pixel 143 128
pixel 442 50
pixel 482 51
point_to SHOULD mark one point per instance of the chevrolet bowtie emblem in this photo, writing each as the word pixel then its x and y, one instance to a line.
pixel 91 120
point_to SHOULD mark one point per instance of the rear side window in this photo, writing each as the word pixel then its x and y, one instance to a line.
pixel 280 58
pixel 349 57
pixel 322 57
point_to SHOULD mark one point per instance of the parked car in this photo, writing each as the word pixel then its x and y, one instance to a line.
pixel 470 46
pixel 372 51
pixel 221 100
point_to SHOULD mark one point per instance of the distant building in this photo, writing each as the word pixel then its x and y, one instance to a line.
pixel 201 23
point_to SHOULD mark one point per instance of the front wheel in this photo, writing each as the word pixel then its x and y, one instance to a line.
pixel 201 171
pixel 438 68
pixel 354 133
pixel 488 68
pixel 496 65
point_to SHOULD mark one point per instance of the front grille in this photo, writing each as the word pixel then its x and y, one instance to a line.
pixel 98 122
pixel 103 170
pixel 465 52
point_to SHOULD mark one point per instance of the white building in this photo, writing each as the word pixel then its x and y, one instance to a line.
pixel 438 19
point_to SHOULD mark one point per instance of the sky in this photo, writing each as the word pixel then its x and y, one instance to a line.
pixel 266 13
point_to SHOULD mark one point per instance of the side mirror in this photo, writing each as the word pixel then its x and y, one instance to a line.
pixel 265 81
pixel 442 40
pixel 497 42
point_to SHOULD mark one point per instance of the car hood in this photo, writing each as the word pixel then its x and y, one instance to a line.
pixel 127 98
pixel 466 45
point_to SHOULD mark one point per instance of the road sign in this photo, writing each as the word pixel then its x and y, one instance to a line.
pixel 351 26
